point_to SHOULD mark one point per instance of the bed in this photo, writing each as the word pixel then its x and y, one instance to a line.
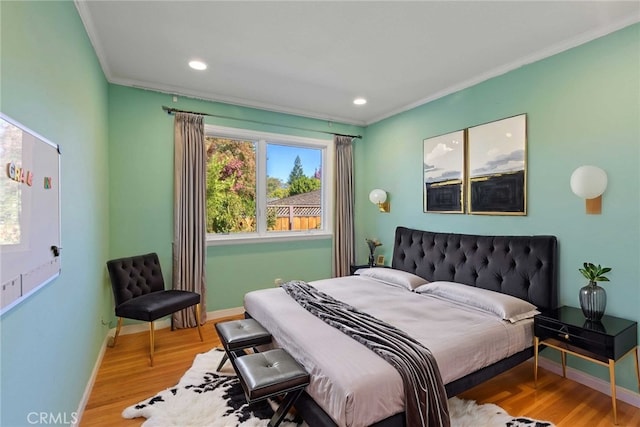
pixel 352 386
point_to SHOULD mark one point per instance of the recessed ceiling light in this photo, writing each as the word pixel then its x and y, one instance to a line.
pixel 359 101
pixel 198 65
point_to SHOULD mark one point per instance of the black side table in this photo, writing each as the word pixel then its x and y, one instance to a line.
pixel 354 267
pixel 604 342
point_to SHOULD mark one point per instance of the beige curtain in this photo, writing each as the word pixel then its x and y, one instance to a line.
pixel 343 248
pixel 189 232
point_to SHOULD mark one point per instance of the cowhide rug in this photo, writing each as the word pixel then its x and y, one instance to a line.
pixel 206 398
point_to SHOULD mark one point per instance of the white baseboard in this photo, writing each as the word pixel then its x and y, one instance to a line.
pixel 132 329
pixel 92 380
pixel 227 312
pixel 595 383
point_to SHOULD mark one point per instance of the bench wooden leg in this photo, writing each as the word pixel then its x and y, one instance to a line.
pixel 233 355
pixel 223 361
pixel 288 401
pixel 230 355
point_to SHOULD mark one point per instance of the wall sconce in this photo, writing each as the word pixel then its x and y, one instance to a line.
pixel 379 197
pixel 589 182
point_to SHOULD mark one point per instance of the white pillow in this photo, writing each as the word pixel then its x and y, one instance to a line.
pixel 393 277
pixel 505 306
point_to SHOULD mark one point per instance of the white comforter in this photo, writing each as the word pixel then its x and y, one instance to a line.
pixel 354 385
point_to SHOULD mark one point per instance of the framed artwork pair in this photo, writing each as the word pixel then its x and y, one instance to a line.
pixel 478 170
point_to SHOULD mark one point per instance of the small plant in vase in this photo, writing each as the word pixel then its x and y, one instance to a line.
pixel 593 298
pixel 373 244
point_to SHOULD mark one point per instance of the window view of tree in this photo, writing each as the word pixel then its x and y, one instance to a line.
pixel 304 184
pixel 298 182
pixel 296 204
pixel 293 199
pixel 297 172
pixel 231 185
pixel 276 189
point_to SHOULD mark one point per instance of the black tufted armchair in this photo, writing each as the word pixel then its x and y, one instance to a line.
pixel 138 289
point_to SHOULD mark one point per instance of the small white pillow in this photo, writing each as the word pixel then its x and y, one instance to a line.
pixel 393 277
pixel 505 306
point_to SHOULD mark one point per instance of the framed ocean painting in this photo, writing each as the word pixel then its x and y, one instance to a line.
pixel 443 173
pixel 497 167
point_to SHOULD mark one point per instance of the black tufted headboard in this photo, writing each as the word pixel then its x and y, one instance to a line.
pixel 522 266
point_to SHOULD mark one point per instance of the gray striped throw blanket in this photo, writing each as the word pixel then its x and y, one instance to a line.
pixel 425 396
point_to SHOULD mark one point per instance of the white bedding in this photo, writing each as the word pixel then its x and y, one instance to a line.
pixel 351 383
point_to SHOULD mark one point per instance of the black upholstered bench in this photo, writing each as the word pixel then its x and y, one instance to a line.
pixel 238 335
pixel 272 373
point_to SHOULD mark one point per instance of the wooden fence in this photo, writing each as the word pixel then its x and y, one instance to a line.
pixel 298 217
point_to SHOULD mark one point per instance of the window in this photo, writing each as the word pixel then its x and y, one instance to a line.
pixel 267 186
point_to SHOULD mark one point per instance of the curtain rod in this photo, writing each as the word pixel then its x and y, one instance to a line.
pixel 175 110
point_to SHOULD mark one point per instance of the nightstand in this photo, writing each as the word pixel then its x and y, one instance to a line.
pixel 604 342
pixel 353 268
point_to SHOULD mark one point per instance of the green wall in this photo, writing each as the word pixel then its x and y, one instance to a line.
pixel 583 107
pixel 52 83
pixel 141 194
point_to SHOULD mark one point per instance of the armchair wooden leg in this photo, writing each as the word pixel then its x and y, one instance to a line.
pixel 198 321
pixel 115 337
pixel 151 341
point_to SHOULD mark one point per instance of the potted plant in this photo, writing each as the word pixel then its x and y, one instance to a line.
pixel 593 298
pixel 373 244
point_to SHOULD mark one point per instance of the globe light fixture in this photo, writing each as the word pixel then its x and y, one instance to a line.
pixel 589 182
pixel 379 197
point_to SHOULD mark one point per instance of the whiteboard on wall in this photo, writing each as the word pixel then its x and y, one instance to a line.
pixel 29 213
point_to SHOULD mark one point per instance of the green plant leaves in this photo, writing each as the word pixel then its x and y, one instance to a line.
pixel 594 273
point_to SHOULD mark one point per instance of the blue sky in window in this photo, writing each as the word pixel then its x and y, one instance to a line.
pixel 280 160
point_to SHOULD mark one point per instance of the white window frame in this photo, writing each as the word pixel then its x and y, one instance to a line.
pixel 262 139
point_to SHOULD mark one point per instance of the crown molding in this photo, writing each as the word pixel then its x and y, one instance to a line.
pixel 538 56
pixel 82 6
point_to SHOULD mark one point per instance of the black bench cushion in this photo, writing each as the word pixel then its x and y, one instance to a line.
pixel 240 334
pixel 270 373
pixel 154 305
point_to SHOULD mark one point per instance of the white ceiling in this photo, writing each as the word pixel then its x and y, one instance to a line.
pixel 313 58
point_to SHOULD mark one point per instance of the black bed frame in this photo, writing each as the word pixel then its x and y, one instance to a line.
pixel 522 266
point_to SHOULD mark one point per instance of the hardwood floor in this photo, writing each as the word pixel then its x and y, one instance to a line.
pixel 125 378
pixel 562 401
